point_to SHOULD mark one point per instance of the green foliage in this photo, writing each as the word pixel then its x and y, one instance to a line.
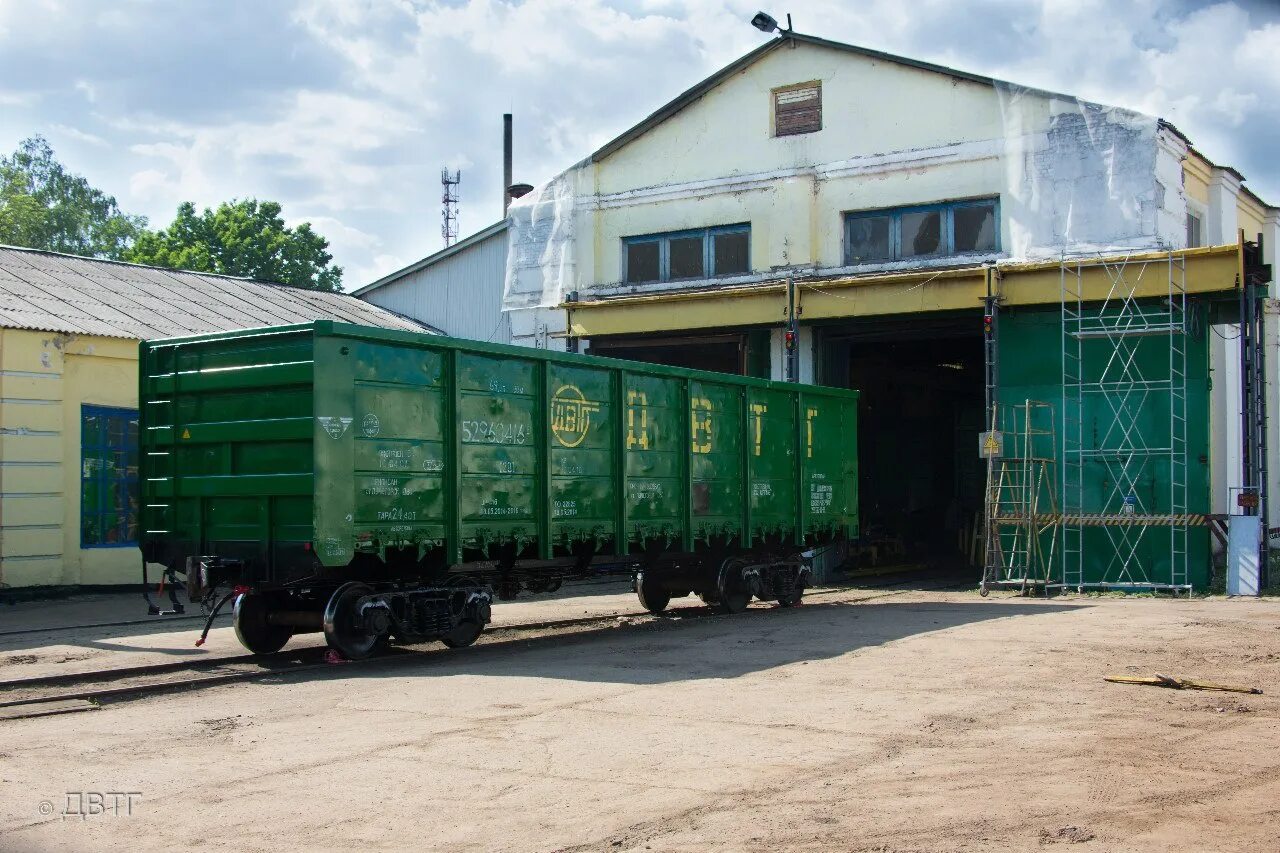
pixel 43 206
pixel 243 238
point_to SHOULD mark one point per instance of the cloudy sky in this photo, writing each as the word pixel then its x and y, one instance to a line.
pixel 346 110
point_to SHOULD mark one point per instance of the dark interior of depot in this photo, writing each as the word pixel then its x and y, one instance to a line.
pixel 721 354
pixel 921 480
pixel 920 414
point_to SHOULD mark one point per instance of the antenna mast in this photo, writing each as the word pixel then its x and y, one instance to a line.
pixel 449 205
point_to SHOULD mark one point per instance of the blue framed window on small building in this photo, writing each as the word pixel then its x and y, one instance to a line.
pixel 108 477
pixel 970 227
pixel 676 255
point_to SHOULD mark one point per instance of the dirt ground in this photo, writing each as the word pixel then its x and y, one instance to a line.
pixel 861 721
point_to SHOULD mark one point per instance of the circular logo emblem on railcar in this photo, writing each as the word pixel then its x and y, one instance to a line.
pixel 371 425
pixel 571 415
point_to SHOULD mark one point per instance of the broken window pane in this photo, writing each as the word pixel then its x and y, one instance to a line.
pixel 868 240
pixel 642 261
pixel 686 257
pixel 730 252
pixel 921 233
pixel 975 228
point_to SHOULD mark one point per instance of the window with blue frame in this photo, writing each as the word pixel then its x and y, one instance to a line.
pixel 970 227
pixel 701 253
pixel 108 477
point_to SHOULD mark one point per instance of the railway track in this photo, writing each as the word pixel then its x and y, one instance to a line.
pixel 64 693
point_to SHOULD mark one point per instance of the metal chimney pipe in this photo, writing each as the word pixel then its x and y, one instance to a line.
pixel 506 162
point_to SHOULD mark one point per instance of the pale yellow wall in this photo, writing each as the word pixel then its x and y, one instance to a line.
pixel 1197 173
pixel 45 377
pixel 868 107
pixel 795 219
pixel 892 135
pixel 1250 216
pixel 1195 179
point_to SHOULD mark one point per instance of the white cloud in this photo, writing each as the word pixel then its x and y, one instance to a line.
pixel 17 99
pixel 315 143
pixel 358 276
pixel 151 185
pixel 78 135
pixel 359 105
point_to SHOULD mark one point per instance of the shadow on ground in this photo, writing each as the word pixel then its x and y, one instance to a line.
pixel 32 626
pixel 661 650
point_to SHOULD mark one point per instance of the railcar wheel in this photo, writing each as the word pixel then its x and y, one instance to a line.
pixel 342 629
pixel 252 628
pixel 652 596
pixel 466 633
pixel 731 588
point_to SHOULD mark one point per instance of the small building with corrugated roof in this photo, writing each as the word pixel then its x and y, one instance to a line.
pixel 69 333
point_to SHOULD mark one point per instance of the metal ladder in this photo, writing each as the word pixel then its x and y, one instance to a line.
pixel 1021 500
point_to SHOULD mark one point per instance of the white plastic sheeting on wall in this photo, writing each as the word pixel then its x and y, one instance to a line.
pixel 1079 176
pixel 540 251
pixel 1070 177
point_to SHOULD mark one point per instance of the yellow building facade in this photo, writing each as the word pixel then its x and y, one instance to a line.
pixel 48 384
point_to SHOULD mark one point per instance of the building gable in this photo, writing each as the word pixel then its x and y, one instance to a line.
pixel 728 127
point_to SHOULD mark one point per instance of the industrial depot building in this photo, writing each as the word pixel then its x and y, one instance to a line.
pixel 960 249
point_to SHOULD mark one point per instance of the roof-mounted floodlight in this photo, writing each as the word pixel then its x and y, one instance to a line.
pixel 764 22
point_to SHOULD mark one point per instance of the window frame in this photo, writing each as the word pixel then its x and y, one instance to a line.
pixel 1199 221
pixel 663 239
pixel 946 208
pixel 102 444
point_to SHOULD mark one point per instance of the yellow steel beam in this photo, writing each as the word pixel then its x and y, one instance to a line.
pixel 1208 270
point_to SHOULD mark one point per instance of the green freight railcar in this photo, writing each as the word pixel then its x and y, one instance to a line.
pixel 372 483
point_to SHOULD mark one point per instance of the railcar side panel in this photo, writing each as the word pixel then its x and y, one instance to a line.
pixel 657 450
pixel 496 424
pixel 772 464
pixel 396 407
pixel 716 461
pixel 583 456
pixel 303 448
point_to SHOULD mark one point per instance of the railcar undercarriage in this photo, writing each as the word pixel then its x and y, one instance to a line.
pixel 361 617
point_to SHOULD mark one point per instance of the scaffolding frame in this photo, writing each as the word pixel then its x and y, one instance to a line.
pixel 1103 367
pixel 1022 518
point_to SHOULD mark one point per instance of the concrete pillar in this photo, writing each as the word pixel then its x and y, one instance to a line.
pixel 1270 242
pixel 1271 350
pixel 1271 353
pixel 1224 414
pixel 1221 226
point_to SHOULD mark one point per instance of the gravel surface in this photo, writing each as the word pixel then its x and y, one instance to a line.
pixel 861 721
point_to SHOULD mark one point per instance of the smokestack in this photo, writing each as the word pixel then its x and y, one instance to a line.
pixel 506 162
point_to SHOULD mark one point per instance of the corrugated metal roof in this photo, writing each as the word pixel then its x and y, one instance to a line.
pixel 48 292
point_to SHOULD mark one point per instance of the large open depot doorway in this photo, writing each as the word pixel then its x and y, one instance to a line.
pixel 921 480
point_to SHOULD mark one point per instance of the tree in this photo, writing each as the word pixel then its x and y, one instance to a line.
pixel 43 206
pixel 243 237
